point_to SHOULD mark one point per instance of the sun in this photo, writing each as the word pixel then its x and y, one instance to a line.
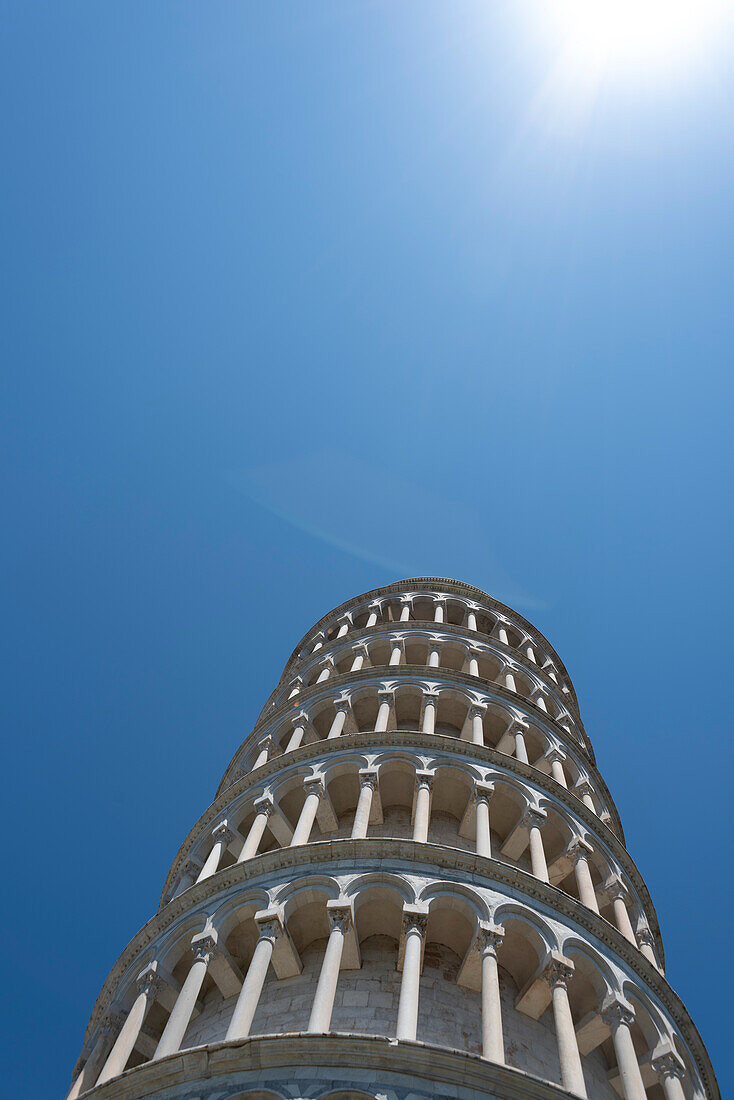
pixel 617 33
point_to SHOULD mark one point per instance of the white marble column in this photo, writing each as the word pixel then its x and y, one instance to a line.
pixel 203 947
pixel 430 706
pixel 344 625
pixel 518 731
pixel 530 653
pixel 646 944
pixel 556 759
pixel 326 671
pixel 617 891
pixel 578 852
pixel 147 985
pixel 342 706
pixel 482 795
pixel 539 701
pixel 88 1074
pixel 558 975
pixel 534 820
pixel 502 633
pixel 367 787
pixel 488 941
pixel 360 656
pixel 263 807
pixel 619 1017
pixel 383 713
pixel 374 612
pixel 584 791
pixel 405 610
pixel 471 619
pixel 434 653
pixel 476 714
pixel 323 1002
pixel 397 652
pixel 222 837
pixel 263 755
pixel 269 929
pixel 510 680
pixel 314 788
pixel 439 613
pixel 422 816
pixel 414 927
pixel 671 1071
pixel 189 874
pixel 473 662
pixel 300 723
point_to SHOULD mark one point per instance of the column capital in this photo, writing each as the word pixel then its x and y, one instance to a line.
pixel 204 947
pixel 579 849
pixel 368 777
pixel 406 599
pixel 376 605
pixel 190 867
pixel 424 778
pixel 149 981
pixel 339 914
pixel 482 792
pixel 111 1024
pixel 386 695
pixel 477 710
pixel 534 818
pixel 223 833
pixel 345 617
pixel 516 726
pixel 644 935
pixel 430 696
pixel 555 756
pixel 559 971
pixel 667 1063
pixel 615 888
pixel 616 1012
pixel 264 805
pixel 270 924
pixel 414 919
pixel 583 787
pixel 314 784
pixel 300 719
pixel 342 702
pixel 489 937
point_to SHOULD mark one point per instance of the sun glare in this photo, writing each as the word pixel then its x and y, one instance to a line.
pixel 632 32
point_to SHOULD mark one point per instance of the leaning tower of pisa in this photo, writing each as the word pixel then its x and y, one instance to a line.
pixel 412 883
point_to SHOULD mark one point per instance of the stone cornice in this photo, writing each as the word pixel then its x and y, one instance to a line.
pixel 391 856
pixel 297 1051
pixel 434 742
pixel 414 626
pixel 451 587
pixel 335 685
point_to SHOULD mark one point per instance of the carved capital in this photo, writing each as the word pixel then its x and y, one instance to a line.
pixel 559 972
pixel 534 819
pixel 263 805
pixel 269 924
pixel 340 916
pixel 667 1064
pixel 203 947
pixel 424 778
pixel 149 982
pixel 616 1013
pixel 482 792
pixel 368 778
pixel 222 833
pixel 578 849
pixel 489 938
pixel 414 921
pixel 314 784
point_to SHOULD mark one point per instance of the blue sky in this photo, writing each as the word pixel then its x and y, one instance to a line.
pixel 299 298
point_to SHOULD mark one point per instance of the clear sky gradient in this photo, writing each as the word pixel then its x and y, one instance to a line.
pixel 303 297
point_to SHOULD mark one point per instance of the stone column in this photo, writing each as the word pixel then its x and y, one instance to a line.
pixel 405 609
pixel 367 787
pixel 223 837
pixel 397 653
pixel 203 947
pixel 583 791
pixel 617 891
pixel 578 852
pixel 318 644
pixel 555 759
pixel 521 751
pixel 296 687
pixel 539 701
pixel 488 941
pixel 344 624
pixel 646 943
pixel 429 711
pixel 323 1002
pixel 189 873
pixel 482 795
pixel 476 714
pixel 471 619
pixel 148 984
pixel 434 653
pixel 534 820
pixel 510 680
pixel 264 808
pixel 88 1074
pixel 314 788
pixel 422 816
pixel 326 671
pixel 439 613
pixel 383 714
pixel 671 1071
pixel 572 1076
pixel 264 753
pixel 473 663
pixel 360 656
pixel 337 726
pixel 502 633
pixel 299 732
pixel 619 1017
pixel 414 926
pixel 530 653
pixel 374 610
pixel 270 928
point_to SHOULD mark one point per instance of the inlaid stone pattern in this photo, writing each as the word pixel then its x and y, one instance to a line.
pixel 412 882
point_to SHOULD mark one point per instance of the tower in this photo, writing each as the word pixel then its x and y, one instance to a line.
pixel 412 882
